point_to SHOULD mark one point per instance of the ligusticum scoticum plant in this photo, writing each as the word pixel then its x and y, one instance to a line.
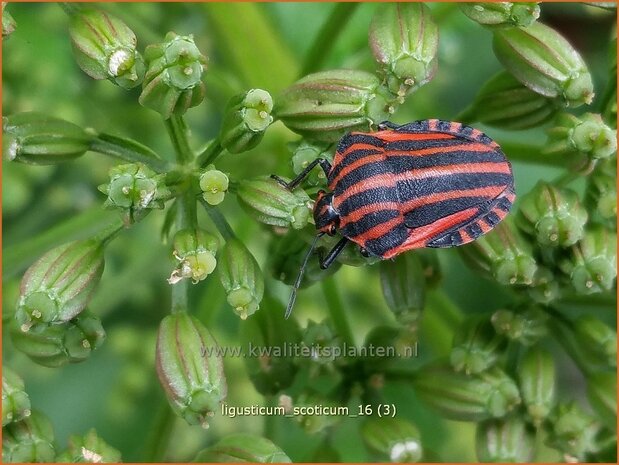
pixel 553 260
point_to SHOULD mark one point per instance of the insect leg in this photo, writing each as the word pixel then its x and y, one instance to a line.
pixel 324 164
pixel 327 261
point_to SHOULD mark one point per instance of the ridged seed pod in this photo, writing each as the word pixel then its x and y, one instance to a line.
pixel 602 396
pixel 56 344
pixel 38 139
pixel 195 251
pixel 246 118
pixel 502 13
pixel 30 440
pixel 601 194
pixel 135 189
pixel 536 375
pixel 545 62
pixel 89 448
pixel 214 185
pixel 508 440
pixel 504 102
pixel 397 439
pixel 404 41
pixel 271 203
pixel 241 278
pixel 190 368
pixel 173 80
pixel 476 346
pixel 59 285
pixel 267 336
pixel 573 432
pixel 591 264
pixel 525 325
pixel 106 48
pixel 502 255
pixel 326 105
pixel 551 215
pixel 241 447
pixel 15 400
pixel 457 396
pixel 403 283
pixel 597 338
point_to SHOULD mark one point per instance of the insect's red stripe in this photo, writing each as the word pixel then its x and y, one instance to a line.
pixel 366 210
pixel 358 146
pixel 391 180
pixel 392 136
pixel 470 147
pixel 421 236
pixel 380 229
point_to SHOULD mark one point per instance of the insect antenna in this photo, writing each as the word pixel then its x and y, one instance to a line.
pixel 297 283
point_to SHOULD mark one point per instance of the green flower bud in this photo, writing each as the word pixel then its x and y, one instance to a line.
pixel 502 13
pixel 173 81
pixel 268 337
pixel 190 368
pixel 15 401
pixel 602 395
pixel 195 250
pixel 89 448
pixel 581 140
pixel 38 139
pixel 502 255
pixel 525 326
pixel 8 23
pixel 285 256
pixel 457 396
pixel 59 285
pixel 247 117
pixel 504 102
pixel 105 48
pixel 536 375
pixel 476 346
pixel 326 105
pixel 540 58
pixel 545 288
pixel 597 338
pixel 30 440
pixel 135 189
pixel 601 195
pixel 404 41
pixel 506 440
pixel 56 344
pixel 214 185
pixel 241 278
pixel 242 447
pixel 403 284
pixel 573 432
pixel 393 437
pixel 304 153
pixel 311 422
pixel 323 343
pixel 271 203
pixel 592 263
pixel 553 216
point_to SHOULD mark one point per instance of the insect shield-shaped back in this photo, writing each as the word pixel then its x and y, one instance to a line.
pixel 428 183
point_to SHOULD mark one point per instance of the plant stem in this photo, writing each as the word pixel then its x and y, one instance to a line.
pixel 219 221
pixel 108 148
pixel 210 154
pixel 327 36
pixel 337 311
pixel 186 218
pixel 162 431
pixel 177 130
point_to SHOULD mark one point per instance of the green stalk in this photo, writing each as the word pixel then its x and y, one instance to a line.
pixel 441 318
pixel 158 442
pixel 337 311
pixel 219 221
pixel 327 36
pixel 210 154
pixel 105 147
pixel 177 130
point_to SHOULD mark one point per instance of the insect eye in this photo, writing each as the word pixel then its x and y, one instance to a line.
pixel 332 230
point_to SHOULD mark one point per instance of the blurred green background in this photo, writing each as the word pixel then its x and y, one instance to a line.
pixel 248 45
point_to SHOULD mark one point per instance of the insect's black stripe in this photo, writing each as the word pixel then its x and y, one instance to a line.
pixel 428 214
pixel 405 163
pixel 491 219
pixel 369 221
pixel 393 238
pixel 474 230
pixel 442 126
pixel 351 139
pixel 420 188
pixel 504 204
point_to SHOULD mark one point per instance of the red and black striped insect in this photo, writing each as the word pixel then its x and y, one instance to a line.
pixel 429 183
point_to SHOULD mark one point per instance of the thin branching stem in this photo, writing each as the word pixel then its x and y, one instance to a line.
pixel 158 442
pixel 177 130
pixel 219 221
pixel 337 311
pixel 210 153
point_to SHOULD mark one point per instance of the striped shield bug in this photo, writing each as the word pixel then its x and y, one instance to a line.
pixel 428 183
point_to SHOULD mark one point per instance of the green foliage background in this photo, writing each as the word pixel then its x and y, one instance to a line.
pixel 248 45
